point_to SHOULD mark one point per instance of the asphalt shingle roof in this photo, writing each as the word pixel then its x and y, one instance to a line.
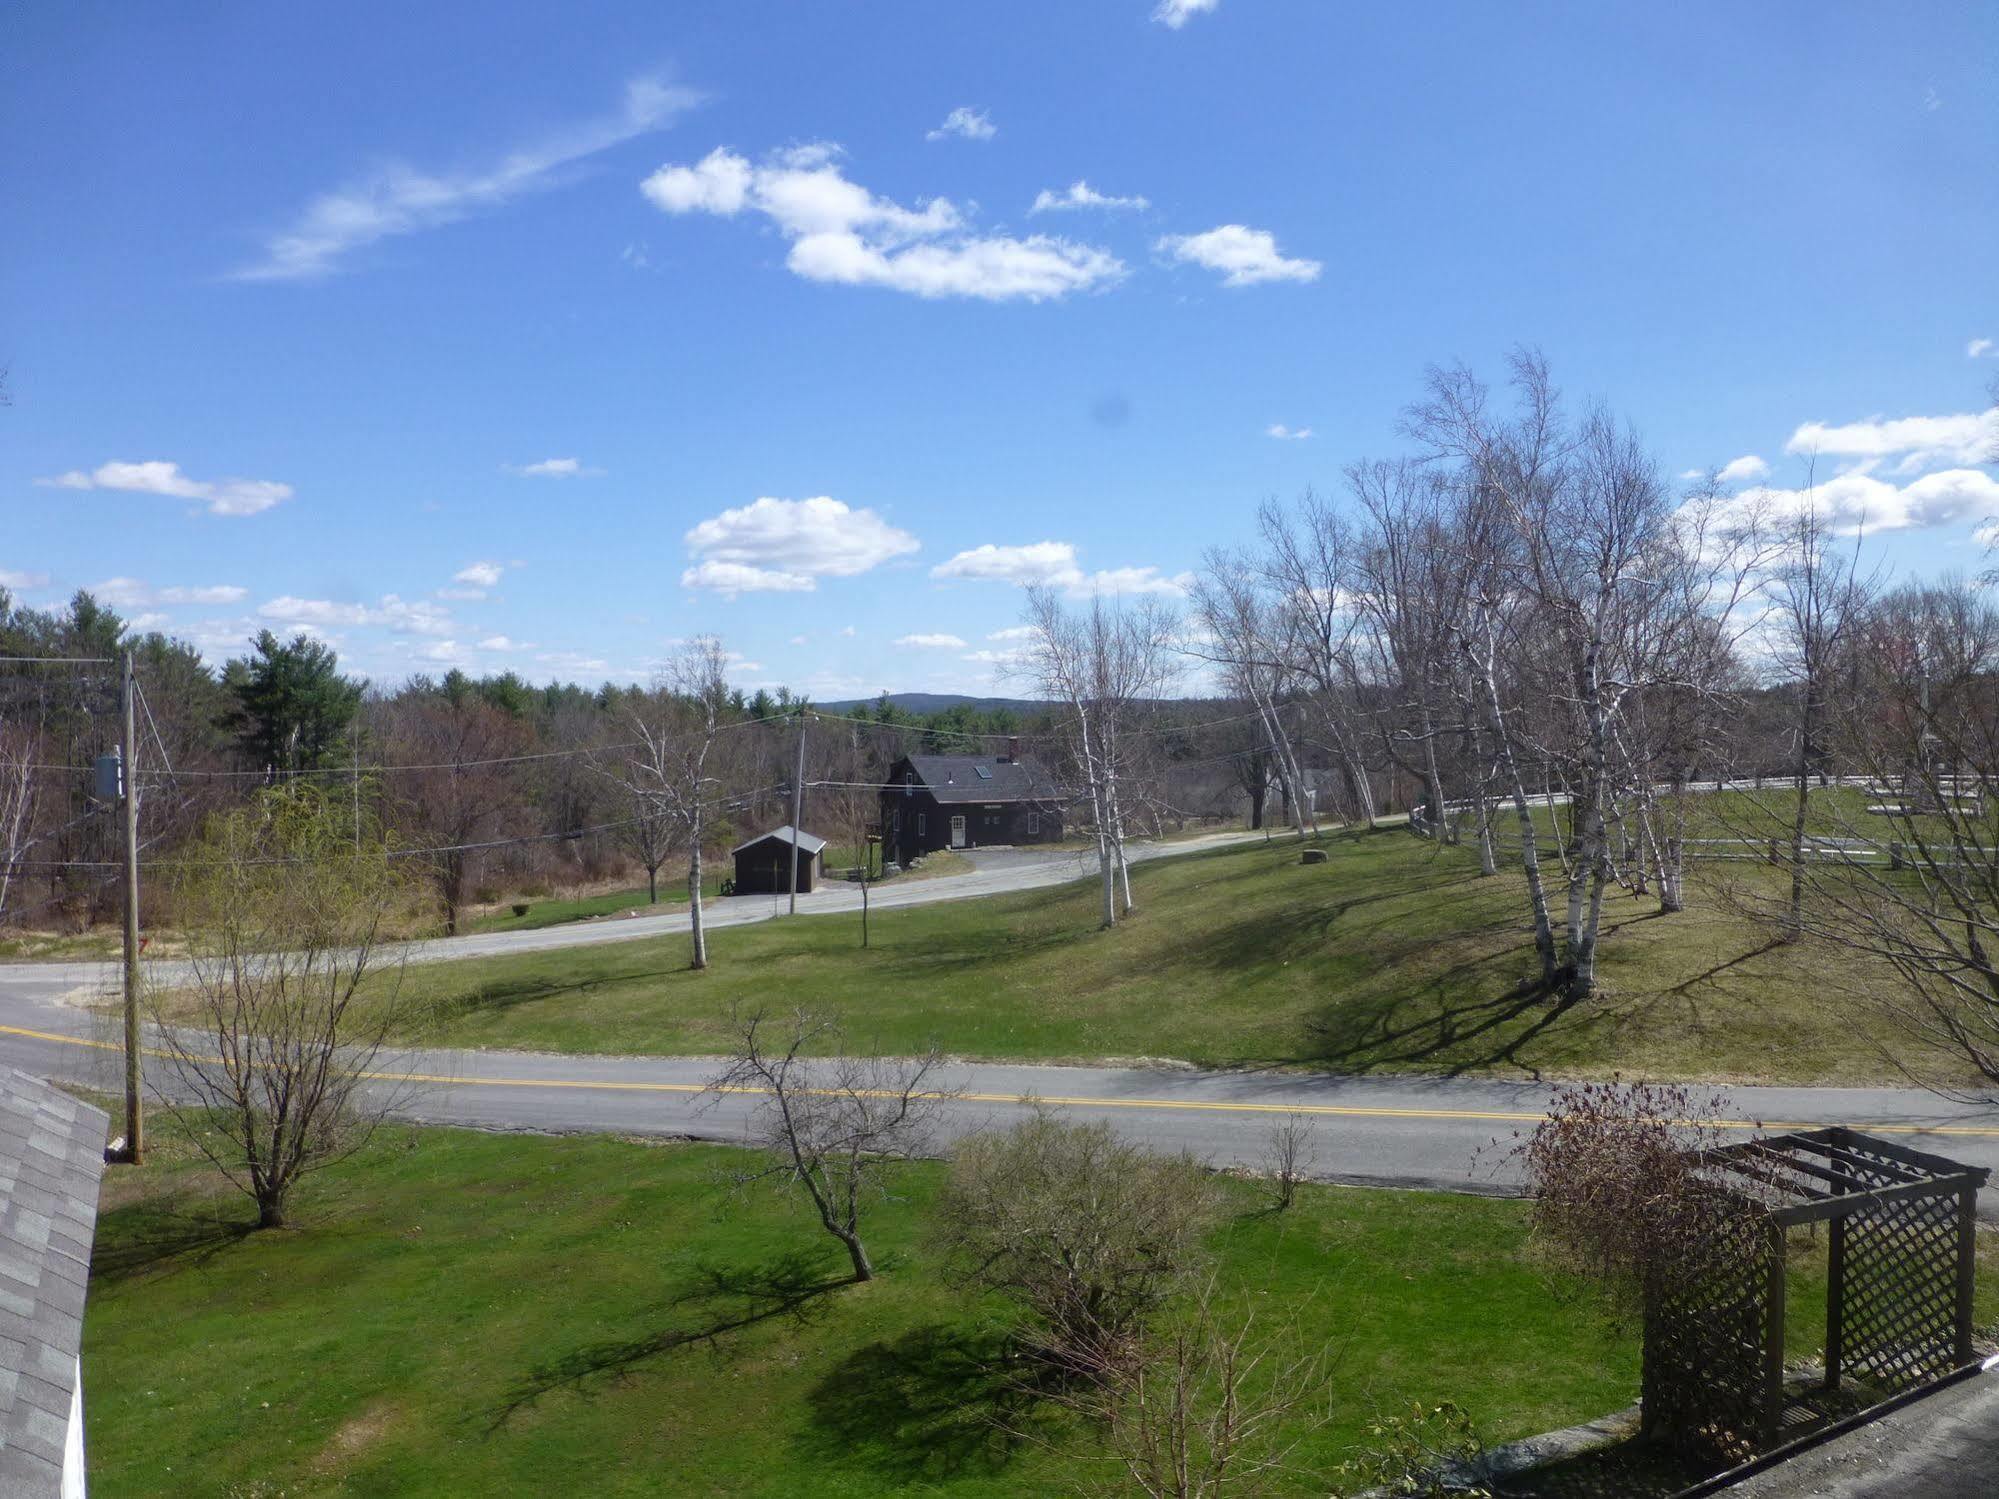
pixel 810 842
pixel 957 778
pixel 51 1157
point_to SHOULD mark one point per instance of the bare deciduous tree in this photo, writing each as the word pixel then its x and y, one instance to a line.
pixel 1101 663
pixel 19 753
pixel 832 1123
pixel 1289 1151
pixel 672 771
pixel 273 1051
pixel 1212 1405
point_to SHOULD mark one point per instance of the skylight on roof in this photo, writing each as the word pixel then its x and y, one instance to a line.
pixel 985 772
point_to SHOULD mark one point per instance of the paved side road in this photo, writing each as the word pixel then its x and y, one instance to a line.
pixel 1004 877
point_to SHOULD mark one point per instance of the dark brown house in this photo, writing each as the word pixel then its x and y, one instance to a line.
pixel 760 863
pixel 966 801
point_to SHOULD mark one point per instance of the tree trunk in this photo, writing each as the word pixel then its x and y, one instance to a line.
pixel 1530 853
pixel 652 884
pixel 857 1252
pixel 700 935
pixel 1793 923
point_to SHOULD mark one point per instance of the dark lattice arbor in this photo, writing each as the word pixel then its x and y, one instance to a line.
pixel 1900 1259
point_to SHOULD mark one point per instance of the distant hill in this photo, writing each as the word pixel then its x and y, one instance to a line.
pixel 937 702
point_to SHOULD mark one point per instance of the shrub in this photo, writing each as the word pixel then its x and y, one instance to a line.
pixel 520 908
pixel 1086 1231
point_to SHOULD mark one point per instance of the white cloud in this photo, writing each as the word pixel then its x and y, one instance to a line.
pixel 1914 443
pixel 1859 501
pixel 504 643
pixel 932 642
pixel 847 631
pixel 558 468
pixel 1743 470
pixel 1287 434
pixel 1978 348
pixel 994 658
pixel 732 578
pixel 12 579
pixel 971 124
pixel 799 640
pixel 1054 564
pixel 1037 562
pixel 1014 632
pixel 127 593
pixel 402 616
pixel 156 476
pixel 1176 13
pixel 1079 194
pixel 785 545
pixel 1244 256
pixel 401 199
pixel 151 620
pixel 577 663
pixel 842 233
pixel 480 574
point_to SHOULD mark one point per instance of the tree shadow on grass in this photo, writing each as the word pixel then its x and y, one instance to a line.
pixel 501 995
pixel 936 1403
pixel 719 1301
pixel 158 1233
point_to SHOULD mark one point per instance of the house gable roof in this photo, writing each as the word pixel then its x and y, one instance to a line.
pixel 807 841
pixel 983 778
pixel 51 1157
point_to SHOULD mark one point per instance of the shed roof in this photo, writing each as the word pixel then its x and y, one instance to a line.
pixel 807 841
pixel 983 778
pixel 51 1157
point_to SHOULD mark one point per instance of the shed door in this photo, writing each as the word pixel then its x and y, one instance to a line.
pixel 957 832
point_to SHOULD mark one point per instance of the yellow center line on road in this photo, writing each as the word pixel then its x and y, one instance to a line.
pixel 1190 1105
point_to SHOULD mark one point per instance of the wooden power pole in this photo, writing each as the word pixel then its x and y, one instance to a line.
pixel 128 764
pixel 797 810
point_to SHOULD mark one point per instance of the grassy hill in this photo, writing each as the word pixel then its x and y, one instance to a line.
pixel 1393 955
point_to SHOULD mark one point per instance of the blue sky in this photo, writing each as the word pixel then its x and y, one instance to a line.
pixel 520 336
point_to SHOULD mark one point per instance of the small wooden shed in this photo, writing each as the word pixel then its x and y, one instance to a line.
pixel 760 866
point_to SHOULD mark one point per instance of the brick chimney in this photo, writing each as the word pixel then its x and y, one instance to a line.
pixel 1012 750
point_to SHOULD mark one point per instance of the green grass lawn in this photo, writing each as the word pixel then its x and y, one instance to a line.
pixel 1394 955
pixel 465 1313
pixel 555 911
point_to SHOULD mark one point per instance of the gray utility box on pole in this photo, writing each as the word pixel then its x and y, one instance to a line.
pixel 110 784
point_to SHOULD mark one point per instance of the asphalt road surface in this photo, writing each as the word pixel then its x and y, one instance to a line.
pixel 1451 1133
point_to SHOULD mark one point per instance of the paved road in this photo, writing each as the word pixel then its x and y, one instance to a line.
pixel 1435 1132
pixel 1430 1132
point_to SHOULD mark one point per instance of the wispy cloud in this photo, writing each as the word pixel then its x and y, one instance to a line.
pixel 1909 444
pixel 965 122
pixel 156 476
pixel 132 593
pixel 1244 256
pixel 1055 565
pixel 933 642
pixel 1743 470
pixel 9 578
pixel 399 199
pixel 402 616
pixel 556 468
pixel 842 233
pixel 1978 348
pixel 1287 434
pixel 1177 13
pixel 1079 194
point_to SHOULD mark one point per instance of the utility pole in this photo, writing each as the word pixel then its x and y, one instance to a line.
pixel 797 810
pixel 128 756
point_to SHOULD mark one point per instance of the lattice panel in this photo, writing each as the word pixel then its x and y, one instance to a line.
pixel 1703 1372
pixel 1901 1292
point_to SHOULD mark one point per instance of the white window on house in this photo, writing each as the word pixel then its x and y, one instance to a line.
pixel 920 821
pixel 1031 824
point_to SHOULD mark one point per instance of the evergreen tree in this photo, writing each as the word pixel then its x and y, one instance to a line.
pixel 293 707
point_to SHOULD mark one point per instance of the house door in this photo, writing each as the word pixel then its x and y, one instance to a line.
pixel 957 832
